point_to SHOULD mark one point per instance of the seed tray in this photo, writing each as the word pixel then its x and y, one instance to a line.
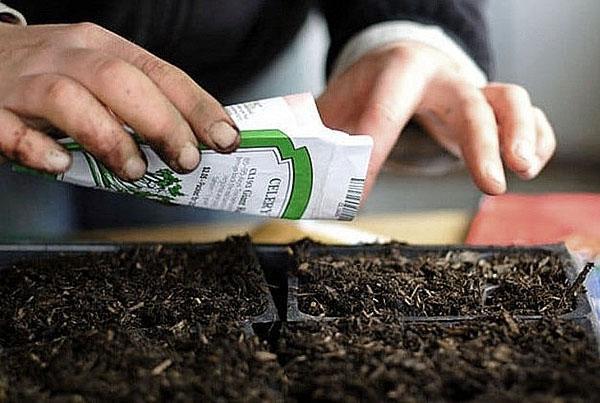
pixel 278 263
pixel 309 250
pixel 11 254
pixel 360 359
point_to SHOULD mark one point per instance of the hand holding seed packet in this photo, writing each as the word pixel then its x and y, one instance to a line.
pixel 288 165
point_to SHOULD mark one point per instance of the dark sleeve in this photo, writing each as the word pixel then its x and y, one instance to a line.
pixel 463 20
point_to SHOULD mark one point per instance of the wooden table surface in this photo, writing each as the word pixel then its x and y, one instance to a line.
pixel 434 227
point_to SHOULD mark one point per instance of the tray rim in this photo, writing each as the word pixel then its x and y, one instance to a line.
pixel 28 249
pixel 583 309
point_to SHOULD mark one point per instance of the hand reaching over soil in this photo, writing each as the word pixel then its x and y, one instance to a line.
pixel 491 128
pixel 86 82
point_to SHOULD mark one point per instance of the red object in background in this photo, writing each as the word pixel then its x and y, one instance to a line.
pixel 520 219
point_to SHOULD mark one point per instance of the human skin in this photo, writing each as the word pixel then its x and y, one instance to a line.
pixel 491 128
pixel 87 82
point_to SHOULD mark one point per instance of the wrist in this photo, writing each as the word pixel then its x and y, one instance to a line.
pixel 427 59
pixel 384 34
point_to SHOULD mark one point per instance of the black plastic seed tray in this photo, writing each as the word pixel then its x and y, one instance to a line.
pixel 310 250
pixel 10 254
pixel 279 262
pixel 348 335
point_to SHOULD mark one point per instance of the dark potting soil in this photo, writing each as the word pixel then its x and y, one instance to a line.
pixel 432 284
pixel 165 286
pixel 141 366
pixel 504 360
pixel 163 324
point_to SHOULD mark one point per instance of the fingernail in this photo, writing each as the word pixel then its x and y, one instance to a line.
pixel 496 175
pixel 58 160
pixel 524 151
pixel 223 135
pixel 134 168
pixel 189 157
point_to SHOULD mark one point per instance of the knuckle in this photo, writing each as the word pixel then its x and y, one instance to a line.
pixel 87 27
pixel 108 146
pixel 516 93
pixel 62 89
pixel 163 73
pixel 110 69
pixel 154 67
pixel 88 31
pixel 81 34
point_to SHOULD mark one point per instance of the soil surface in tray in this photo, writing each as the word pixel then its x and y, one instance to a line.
pixel 433 284
pixel 500 360
pixel 149 324
pixel 141 288
pixel 164 324
pixel 141 366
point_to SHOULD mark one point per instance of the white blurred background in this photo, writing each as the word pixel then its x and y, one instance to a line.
pixel 552 47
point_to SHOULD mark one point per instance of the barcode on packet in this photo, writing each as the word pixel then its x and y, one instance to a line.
pixel 349 208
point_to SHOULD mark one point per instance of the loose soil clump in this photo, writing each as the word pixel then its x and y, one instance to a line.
pixel 452 283
pixel 357 360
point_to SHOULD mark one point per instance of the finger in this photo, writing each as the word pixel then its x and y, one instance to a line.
pixel 134 98
pixel 29 147
pixel 516 125
pixel 387 108
pixel 208 119
pixel 545 142
pixel 70 107
pixel 479 143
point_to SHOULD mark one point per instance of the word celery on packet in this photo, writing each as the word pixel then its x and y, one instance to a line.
pixel 288 165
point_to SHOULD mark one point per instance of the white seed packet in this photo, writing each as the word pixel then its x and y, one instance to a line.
pixel 288 165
